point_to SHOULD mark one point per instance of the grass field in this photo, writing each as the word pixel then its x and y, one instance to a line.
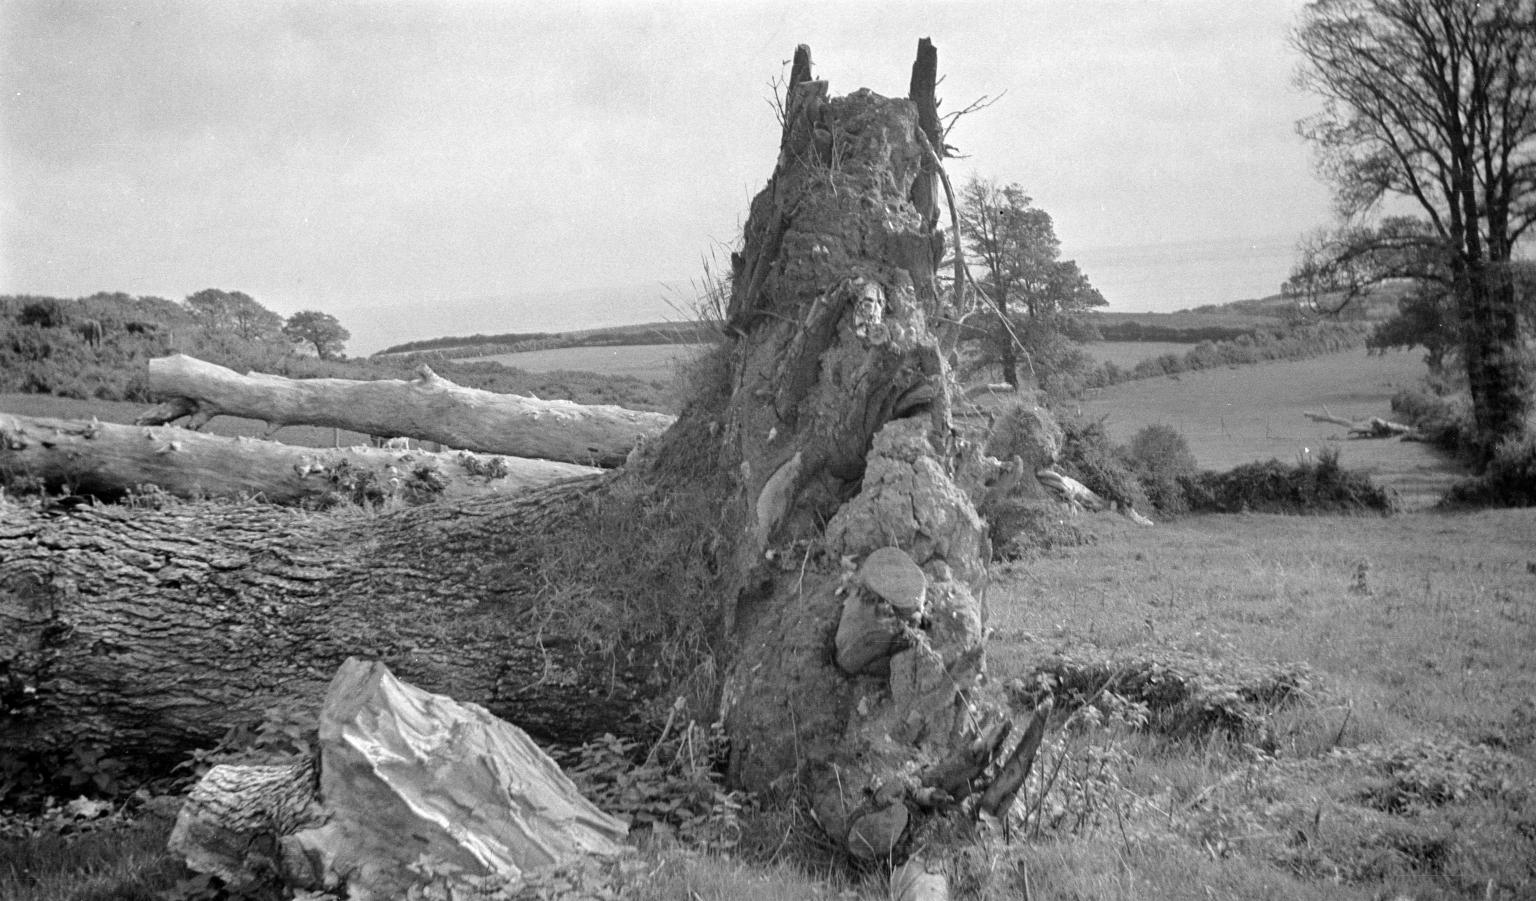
pixel 1126 354
pixel 1247 413
pixel 643 361
pixel 1419 635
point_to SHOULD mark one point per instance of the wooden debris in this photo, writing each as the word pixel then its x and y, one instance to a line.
pixel 1375 427
pixel 109 460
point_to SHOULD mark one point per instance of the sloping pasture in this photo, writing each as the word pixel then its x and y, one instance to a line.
pixel 1243 414
pixel 650 362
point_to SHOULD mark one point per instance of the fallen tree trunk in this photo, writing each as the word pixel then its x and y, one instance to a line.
pixel 150 632
pixel 427 408
pixel 1375 427
pixel 109 461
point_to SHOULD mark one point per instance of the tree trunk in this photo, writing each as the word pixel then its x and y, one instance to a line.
pixel 428 408
pixel 1496 379
pixel 153 631
pixel 109 461
pixel 727 562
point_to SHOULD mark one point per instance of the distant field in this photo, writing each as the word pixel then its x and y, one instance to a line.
pixel 652 362
pixel 1247 413
pixel 1126 354
pixel 117 411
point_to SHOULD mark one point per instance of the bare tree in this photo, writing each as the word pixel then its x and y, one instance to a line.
pixel 1435 101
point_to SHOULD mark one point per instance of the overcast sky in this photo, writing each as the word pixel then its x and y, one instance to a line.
pixel 415 156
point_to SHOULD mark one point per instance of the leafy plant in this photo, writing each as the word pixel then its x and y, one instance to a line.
pixel 1161 460
pixel 675 788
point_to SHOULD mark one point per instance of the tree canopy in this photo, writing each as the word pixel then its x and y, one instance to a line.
pixel 1434 102
pixel 319 330
pixel 1031 296
pixel 233 313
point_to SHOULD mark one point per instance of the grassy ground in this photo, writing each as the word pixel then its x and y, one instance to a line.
pixel 643 361
pixel 1126 354
pixel 1418 636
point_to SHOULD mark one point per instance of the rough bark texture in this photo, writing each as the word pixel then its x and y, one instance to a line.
pixel 151 631
pixel 838 431
pixel 107 461
pixel 1496 374
pixel 428 408
pixel 735 539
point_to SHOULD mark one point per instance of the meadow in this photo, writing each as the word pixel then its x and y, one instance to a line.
pixel 1245 413
pixel 1126 354
pixel 650 362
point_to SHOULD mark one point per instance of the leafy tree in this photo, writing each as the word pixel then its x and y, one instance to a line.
pixel 1434 101
pixel 233 313
pixel 1032 297
pixel 318 329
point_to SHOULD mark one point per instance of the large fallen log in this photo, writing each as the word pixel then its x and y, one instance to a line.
pixel 108 461
pixel 1375 427
pixel 427 408
pixel 151 631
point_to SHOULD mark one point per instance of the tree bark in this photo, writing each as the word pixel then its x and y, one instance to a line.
pixel 1496 376
pixel 718 564
pixel 428 408
pixel 153 631
pixel 109 461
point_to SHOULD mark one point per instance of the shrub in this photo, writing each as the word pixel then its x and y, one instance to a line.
pixel 1274 487
pixel 1446 420
pixel 1509 480
pixel 1090 457
pixel 1161 460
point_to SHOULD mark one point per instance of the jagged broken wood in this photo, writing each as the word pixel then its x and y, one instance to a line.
pixel 109 461
pixel 427 408
pixel 1375 427
pixel 474 794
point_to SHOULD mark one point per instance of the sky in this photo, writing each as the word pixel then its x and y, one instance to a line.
pixel 425 167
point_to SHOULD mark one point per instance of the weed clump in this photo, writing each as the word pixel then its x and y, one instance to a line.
pixel 1185 696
